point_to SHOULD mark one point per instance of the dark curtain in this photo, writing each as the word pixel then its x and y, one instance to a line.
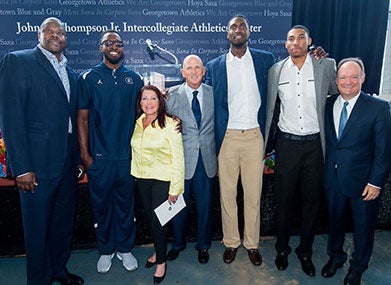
pixel 348 28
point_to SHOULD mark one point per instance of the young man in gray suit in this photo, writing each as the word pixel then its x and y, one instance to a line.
pixel 297 88
pixel 192 102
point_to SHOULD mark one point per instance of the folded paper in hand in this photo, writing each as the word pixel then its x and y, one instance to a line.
pixel 166 212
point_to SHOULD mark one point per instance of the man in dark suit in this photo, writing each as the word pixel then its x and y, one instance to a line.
pixel 38 111
pixel 358 151
pixel 297 90
pixel 239 80
pixel 200 154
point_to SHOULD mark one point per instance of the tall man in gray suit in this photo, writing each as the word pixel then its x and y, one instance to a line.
pixel 192 102
pixel 297 88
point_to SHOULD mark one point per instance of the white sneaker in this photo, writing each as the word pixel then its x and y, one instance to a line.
pixel 128 260
pixel 104 263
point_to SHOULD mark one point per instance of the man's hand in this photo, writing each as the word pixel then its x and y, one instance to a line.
pixel 370 193
pixel 318 52
pixel 165 94
pixel 178 126
pixel 26 182
pixel 87 161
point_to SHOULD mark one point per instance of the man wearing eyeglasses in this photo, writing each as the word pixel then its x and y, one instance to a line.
pixel 106 118
pixel 38 112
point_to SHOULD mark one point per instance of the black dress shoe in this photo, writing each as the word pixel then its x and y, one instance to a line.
pixel 157 280
pixel 352 278
pixel 330 268
pixel 254 256
pixel 307 265
pixel 281 261
pixel 203 256
pixel 172 254
pixel 229 254
pixel 69 279
pixel 149 264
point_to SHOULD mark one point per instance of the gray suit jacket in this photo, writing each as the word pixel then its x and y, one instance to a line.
pixel 324 77
pixel 193 138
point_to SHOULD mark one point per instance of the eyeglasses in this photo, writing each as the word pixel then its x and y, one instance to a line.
pixel 107 43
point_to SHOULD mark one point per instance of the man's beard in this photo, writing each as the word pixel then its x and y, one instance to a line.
pixel 239 44
pixel 114 60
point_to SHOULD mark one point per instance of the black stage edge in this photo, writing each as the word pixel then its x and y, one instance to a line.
pixel 11 230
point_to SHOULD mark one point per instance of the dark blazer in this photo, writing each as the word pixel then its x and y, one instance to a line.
pixel 216 76
pixel 34 113
pixel 363 153
pixel 193 138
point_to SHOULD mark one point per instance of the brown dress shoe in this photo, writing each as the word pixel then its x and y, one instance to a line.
pixel 254 256
pixel 229 254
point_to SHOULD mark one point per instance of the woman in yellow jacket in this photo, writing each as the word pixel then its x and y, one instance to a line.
pixel 158 165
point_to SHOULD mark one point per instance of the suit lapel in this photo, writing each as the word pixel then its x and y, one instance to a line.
pixel 207 101
pixel 223 78
pixel 184 101
pixel 354 115
pixel 73 87
pixel 47 66
pixel 318 83
pixel 329 117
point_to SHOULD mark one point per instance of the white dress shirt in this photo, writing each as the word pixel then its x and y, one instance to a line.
pixel 296 89
pixel 189 94
pixel 244 99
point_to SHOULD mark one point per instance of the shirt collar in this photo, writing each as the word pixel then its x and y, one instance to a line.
pixel 107 69
pixel 230 56
pixel 190 90
pixel 352 101
pixel 307 61
pixel 51 57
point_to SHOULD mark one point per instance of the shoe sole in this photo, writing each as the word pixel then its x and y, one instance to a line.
pixel 104 271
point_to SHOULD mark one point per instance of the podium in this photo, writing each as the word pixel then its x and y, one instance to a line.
pixel 170 74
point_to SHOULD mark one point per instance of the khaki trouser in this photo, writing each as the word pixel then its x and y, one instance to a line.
pixel 241 154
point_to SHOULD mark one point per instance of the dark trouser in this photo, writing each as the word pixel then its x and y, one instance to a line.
pixel 48 218
pixel 297 161
pixel 153 193
pixel 201 186
pixel 112 198
pixel 364 214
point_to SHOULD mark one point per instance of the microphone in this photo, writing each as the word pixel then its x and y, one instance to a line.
pixel 150 49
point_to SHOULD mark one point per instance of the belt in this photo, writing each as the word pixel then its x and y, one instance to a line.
pixel 293 137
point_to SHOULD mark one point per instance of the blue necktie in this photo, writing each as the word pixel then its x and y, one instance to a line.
pixel 195 106
pixel 343 119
